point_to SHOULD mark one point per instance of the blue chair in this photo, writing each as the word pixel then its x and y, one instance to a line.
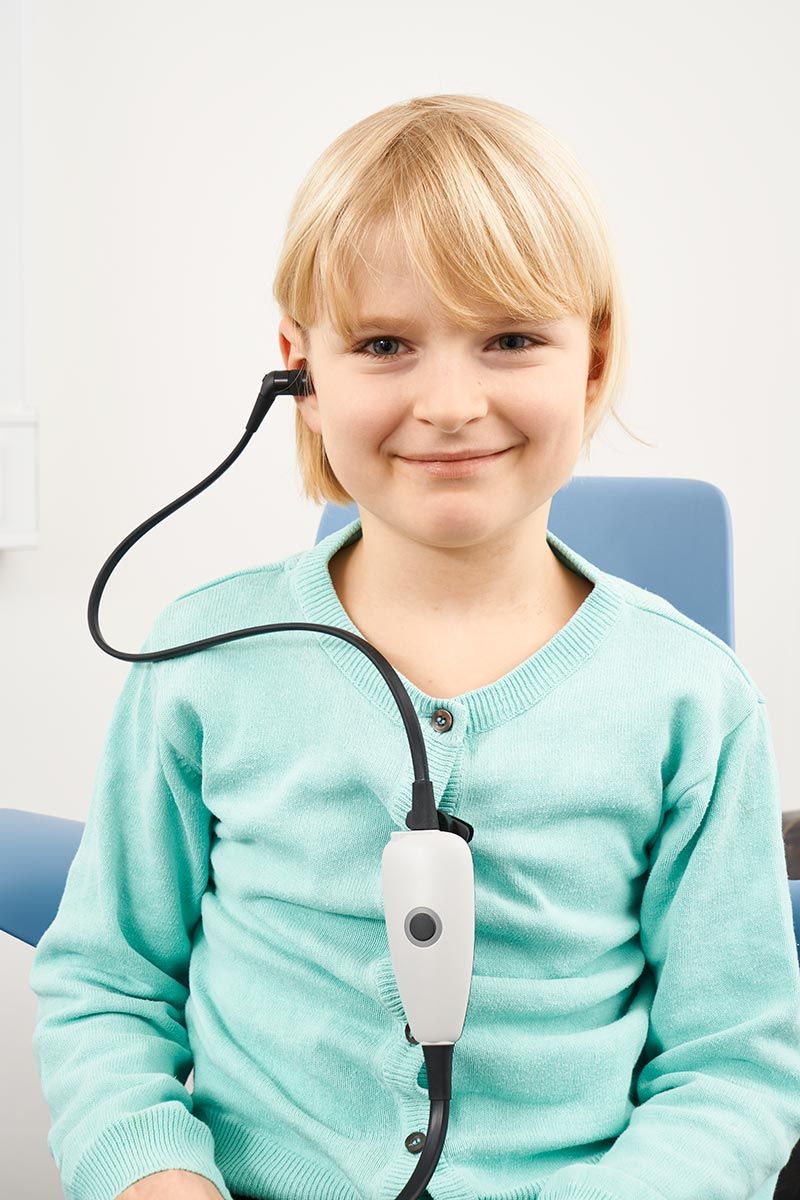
pixel 671 536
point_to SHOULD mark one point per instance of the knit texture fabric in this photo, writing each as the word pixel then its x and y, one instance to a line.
pixel 633 1027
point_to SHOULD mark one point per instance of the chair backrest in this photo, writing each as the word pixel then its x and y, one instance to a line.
pixel 671 536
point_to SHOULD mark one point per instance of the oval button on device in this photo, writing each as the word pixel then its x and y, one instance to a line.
pixel 442 720
pixel 415 1141
pixel 422 927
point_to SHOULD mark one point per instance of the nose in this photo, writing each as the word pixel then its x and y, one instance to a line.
pixel 449 399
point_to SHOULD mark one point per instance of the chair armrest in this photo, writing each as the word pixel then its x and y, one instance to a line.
pixel 36 851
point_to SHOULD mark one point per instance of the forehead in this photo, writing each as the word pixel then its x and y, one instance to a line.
pixel 389 293
pixel 385 283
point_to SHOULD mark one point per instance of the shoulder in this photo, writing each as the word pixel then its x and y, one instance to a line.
pixel 251 595
pixel 693 661
pixel 677 689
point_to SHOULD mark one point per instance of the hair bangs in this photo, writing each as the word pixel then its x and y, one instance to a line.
pixel 493 212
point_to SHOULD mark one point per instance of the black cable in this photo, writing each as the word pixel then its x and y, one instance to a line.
pixel 439 1069
pixel 423 814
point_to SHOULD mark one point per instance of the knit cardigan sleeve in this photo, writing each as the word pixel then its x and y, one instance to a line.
pixel 111 972
pixel 718 1100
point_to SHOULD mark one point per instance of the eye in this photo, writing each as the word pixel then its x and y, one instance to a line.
pixel 363 348
pixel 525 337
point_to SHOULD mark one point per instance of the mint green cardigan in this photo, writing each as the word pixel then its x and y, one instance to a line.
pixel 633 1027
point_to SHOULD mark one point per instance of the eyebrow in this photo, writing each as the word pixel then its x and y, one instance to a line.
pixel 368 322
pixel 385 322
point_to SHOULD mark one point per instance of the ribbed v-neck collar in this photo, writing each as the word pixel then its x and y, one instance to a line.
pixel 485 706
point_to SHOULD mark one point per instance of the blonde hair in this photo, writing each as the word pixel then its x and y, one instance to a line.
pixel 491 208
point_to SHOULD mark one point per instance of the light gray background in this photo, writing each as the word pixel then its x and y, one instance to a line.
pixel 162 144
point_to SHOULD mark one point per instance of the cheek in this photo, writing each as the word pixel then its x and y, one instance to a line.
pixel 355 431
pixel 365 421
pixel 549 413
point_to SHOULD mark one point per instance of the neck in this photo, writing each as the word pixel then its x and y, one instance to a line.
pixel 515 573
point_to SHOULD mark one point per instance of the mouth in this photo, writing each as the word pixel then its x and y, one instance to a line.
pixel 453 468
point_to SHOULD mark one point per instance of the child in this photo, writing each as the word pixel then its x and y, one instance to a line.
pixel 633 1028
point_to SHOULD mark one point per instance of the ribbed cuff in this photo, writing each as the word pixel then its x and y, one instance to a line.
pixel 598 1181
pixel 595 1181
pixel 162 1138
pixel 576 1191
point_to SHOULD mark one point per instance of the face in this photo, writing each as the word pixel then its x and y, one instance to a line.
pixel 410 384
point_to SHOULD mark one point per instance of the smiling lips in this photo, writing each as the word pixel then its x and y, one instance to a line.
pixel 451 456
pixel 455 467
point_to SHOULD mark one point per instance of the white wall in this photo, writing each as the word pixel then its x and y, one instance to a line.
pixel 163 143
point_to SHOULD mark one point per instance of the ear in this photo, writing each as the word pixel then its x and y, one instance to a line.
pixel 294 347
pixel 597 354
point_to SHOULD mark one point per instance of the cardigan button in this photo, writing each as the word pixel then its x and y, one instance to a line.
pixel 442 720
pixel 409 1035
pixel 415 1142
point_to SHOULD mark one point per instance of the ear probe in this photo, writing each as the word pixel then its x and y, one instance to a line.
pixel 427 879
